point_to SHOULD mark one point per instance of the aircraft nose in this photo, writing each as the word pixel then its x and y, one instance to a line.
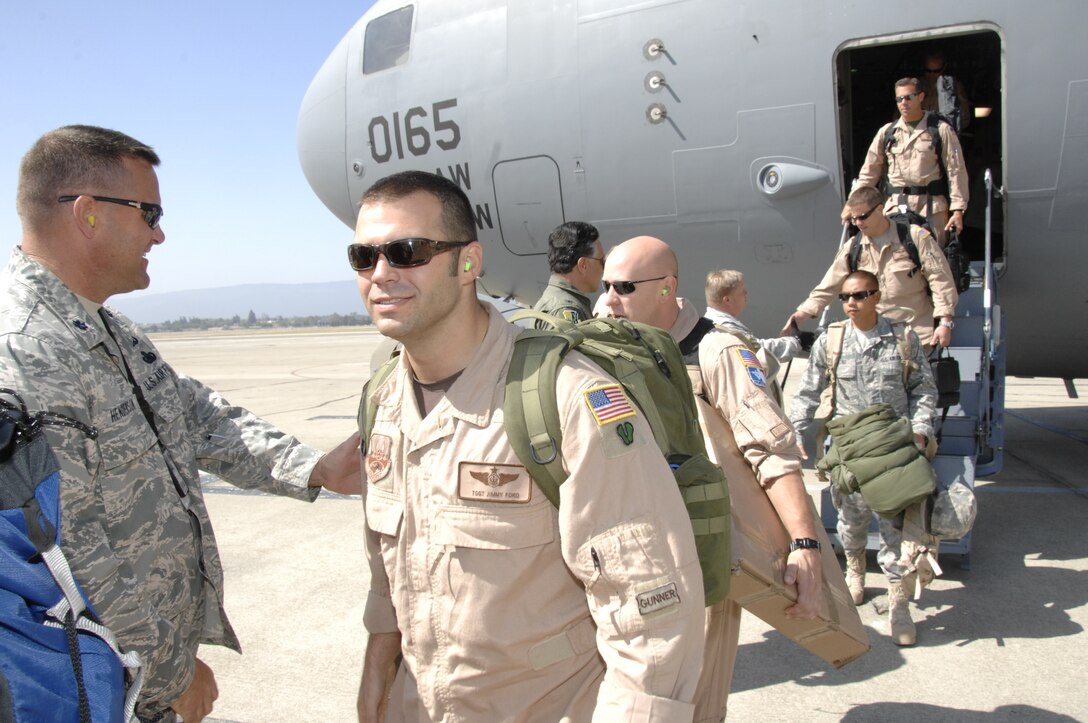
pixel 322 135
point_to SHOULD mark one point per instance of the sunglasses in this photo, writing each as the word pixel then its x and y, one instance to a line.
pixel 623 288
pixel 152 211
pixel 936 71
pixel 864 216
pixel 857 295
pixel 403 253
pixel 908 96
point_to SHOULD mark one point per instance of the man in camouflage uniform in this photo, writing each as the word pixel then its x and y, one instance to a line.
pixel 136 529
pixel 577 262
pixel 640 280
pixel 870 370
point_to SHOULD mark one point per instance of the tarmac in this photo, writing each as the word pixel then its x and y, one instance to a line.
pixel 1001 641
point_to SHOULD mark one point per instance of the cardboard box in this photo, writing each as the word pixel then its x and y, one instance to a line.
pixel 760 545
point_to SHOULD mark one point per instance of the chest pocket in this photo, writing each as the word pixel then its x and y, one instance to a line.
pixel 891 370
pixel 123 432
pixel 499 528
pixel 384 511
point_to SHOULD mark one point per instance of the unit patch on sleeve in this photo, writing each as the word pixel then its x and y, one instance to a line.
pixel 753 367
pixel 378 462
pixel 608 404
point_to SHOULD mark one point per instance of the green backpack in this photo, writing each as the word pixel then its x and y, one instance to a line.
pixel 648 363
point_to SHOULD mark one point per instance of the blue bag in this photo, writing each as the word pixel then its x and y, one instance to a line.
pixel 57 662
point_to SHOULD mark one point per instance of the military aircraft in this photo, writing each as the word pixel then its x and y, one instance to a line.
pixel 732 130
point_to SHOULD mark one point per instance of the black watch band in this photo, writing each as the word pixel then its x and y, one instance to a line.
pixel 805 543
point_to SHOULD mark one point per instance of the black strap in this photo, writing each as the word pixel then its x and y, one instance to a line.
pixel 145 408
pixel 690 343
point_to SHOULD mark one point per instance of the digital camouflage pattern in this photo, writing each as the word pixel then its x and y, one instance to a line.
pixel 869 374
pixel 142 548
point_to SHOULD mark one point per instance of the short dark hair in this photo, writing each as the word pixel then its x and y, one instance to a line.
pixel 457 220
pixel 868 276
pixel 73 160
pixel 569 242
pixel 904 82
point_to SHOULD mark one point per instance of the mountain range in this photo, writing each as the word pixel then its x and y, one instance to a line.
pixel 286 300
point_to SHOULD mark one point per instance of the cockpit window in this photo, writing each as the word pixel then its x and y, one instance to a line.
pixel 388 40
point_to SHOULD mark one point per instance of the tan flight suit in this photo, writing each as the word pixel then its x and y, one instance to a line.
pixel 912 161
pixel 510 609
pixel 916 297
pixel 760 443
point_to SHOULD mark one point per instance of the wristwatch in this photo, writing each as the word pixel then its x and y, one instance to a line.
pixel 804 543
pixel 949 323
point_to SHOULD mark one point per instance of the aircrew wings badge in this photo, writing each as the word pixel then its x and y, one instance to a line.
pixel 753 367
pixel 608 404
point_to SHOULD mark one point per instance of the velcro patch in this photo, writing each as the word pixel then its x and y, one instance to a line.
pixel 753 367
pixel 608 404
pixel 486 482
pixel 657 599
pixel 378 462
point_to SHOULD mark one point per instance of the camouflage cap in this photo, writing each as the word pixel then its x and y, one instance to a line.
pixel 953 512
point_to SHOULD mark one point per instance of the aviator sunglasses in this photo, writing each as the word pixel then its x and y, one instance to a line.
pixel 857 295
pixel 623 288
pixel 152 211
pixel 404 253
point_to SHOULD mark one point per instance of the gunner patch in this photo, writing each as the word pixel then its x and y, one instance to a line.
pixel 658 599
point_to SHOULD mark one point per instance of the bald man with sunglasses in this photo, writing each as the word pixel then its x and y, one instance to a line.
pixel 919 297
pixel 640 281
pixel 504 606
pixel 136 531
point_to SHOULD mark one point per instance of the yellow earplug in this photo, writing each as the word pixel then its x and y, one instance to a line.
pixel 90 220
pixel 665 291
pixel 468 266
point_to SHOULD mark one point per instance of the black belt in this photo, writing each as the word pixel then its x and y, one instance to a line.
pixel 935 188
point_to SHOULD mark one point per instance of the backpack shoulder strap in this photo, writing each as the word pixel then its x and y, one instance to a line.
pixel 902 342
pixel 906 237
pixel 530 410
pixel 854 254
pixel 367 408
pixel 933 125
pixel 834 334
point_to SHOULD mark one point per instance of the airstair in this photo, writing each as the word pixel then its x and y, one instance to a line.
pixel 972 433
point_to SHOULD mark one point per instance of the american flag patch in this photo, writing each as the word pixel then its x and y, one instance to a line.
pixel 749 358
pixel 608 404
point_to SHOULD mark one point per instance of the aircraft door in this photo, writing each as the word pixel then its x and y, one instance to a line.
pixel 529 200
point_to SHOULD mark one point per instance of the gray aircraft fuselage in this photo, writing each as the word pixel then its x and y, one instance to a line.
pixel 729 129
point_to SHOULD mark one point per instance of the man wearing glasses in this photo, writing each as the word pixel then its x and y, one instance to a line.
pixel 918 296
pixel 577 262
pixel 503 606
pixel 135 528
pixel 640 280
pixel 905 152
pixel 868 371
pixel 940 88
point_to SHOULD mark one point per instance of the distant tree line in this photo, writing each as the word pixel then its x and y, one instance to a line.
pixel 253 321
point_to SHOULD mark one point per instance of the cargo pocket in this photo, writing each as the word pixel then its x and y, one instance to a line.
pixel 384 512
pixel 632 582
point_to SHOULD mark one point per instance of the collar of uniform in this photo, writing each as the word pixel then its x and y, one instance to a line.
pixel 61 301
pixel 685 320
pixel 471 396
pixel 722 318
pixel 883 329
pixel 916 130
pixel 560 282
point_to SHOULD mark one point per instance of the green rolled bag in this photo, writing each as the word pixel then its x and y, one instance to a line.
pixel 873 452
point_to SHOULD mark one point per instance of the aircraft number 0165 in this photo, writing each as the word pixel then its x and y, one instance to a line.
pixel 411 130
